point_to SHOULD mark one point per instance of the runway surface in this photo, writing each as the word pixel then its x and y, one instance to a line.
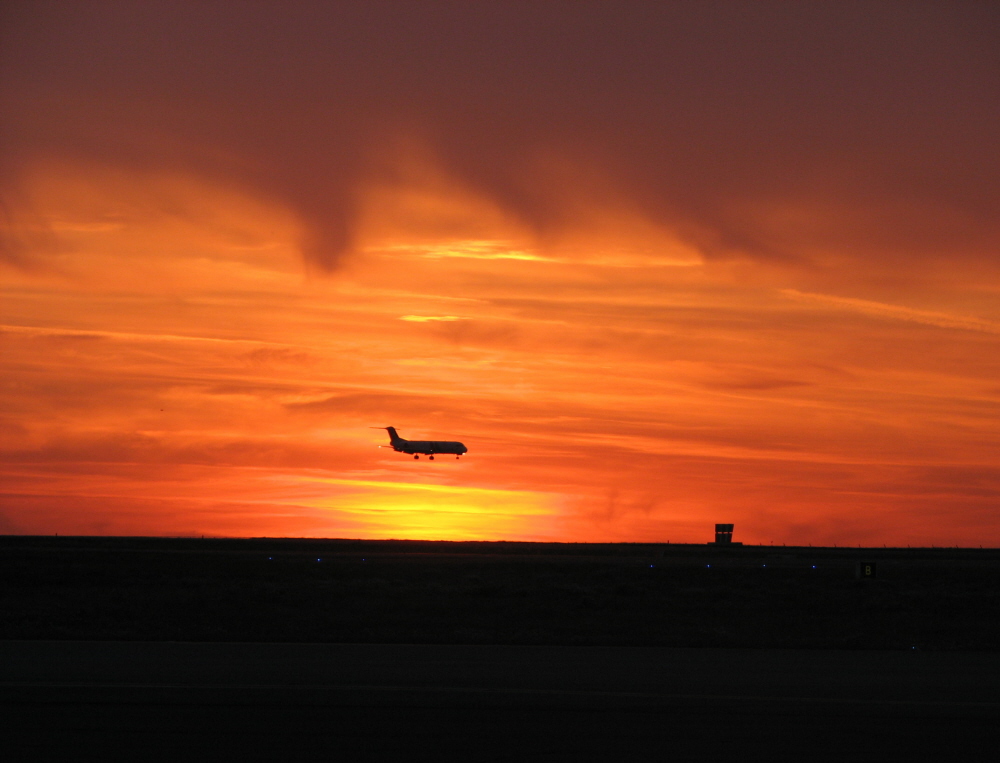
pixel 167 700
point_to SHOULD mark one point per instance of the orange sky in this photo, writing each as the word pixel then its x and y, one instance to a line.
pixel 750 276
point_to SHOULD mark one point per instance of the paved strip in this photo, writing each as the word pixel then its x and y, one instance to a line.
pixel 820 674
pixel 166 701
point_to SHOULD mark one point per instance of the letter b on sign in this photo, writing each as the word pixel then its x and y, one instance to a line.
pixel 867 570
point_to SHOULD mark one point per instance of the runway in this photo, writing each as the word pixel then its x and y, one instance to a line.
pixel 164 700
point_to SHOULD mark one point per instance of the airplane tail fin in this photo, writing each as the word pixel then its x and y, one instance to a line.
pixel 393 436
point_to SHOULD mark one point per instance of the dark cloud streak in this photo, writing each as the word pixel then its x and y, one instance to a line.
pixel 877 118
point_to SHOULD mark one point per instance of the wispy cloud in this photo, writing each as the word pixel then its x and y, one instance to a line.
pixel 472 250
pixel 68 333
pixel 426 318
pixel 896 312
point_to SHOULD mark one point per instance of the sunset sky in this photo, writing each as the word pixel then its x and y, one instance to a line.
pixel 657 264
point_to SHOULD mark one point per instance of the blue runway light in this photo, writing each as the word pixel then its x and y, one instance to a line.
pixel 708 565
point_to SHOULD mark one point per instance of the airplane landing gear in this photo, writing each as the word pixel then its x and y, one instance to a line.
pixel 432 458
pixel 416 457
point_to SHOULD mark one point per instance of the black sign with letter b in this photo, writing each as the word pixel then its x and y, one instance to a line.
pixel 867 570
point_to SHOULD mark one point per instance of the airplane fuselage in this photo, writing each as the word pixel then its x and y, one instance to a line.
pixel 425 447
pixel 429 447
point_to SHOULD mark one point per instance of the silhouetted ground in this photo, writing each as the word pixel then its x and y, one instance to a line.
pixel 170 701
pixel 280 590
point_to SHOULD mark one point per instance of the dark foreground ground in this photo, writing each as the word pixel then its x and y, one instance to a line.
pixel 377 702
pixel 169 649
pixel 155 589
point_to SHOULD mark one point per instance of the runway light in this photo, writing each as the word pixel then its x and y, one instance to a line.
pixel 708 565
pixel 814 566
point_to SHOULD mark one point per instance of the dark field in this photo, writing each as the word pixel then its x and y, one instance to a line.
pixel 267 590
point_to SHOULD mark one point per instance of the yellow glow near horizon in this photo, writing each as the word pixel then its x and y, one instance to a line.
pixel 436 512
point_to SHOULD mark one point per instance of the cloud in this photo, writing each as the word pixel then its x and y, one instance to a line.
pixel 426 318
pixel 753 130
pixel 897 312
pixel 475 250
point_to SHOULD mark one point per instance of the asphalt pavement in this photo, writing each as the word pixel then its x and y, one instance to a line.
pixel 169 700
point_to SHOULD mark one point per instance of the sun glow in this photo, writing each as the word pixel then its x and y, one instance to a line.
pixel 435 512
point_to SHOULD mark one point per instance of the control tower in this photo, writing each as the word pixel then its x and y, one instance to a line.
pixel 724 536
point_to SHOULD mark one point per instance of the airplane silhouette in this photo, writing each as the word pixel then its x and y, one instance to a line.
pixel 427 447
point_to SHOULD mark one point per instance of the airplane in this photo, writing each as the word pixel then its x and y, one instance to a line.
pixel 427 447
